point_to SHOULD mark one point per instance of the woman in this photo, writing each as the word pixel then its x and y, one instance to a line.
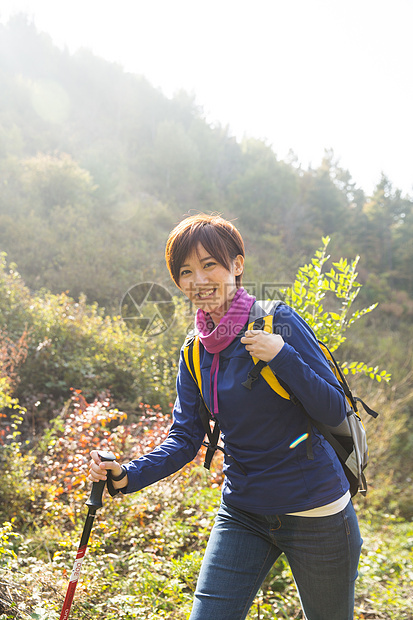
pixel 275 498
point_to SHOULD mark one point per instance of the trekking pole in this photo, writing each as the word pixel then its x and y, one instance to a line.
pixel 94 502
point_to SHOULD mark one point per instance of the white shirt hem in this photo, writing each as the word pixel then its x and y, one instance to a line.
pixel 327 510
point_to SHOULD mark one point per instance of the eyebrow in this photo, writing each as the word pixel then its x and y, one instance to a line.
pixel 201 261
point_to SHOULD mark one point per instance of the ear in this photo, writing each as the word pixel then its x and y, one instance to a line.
pixel 238 265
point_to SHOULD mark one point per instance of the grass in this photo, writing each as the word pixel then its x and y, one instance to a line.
pixel 148 568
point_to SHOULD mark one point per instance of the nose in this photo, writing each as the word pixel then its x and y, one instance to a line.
pixel 201 277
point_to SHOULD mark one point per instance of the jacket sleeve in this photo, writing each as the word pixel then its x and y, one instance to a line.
pixel 182 443
pixel 304 368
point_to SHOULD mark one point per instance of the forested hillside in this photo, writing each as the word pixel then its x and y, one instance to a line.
pixel 96 167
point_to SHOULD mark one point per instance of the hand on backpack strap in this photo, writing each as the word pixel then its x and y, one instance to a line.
pixel 262 345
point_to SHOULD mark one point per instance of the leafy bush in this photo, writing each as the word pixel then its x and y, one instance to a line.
pixel 73 344
pixel 12 354
pixel 151 541
pixel 313 288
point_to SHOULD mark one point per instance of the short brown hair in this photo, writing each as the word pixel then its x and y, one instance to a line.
pixel 218 236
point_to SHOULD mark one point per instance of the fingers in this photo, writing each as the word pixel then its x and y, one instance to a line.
pixel 98 469
pixel 252 336
pixel 262 345
pixel 95 456
pixel 252 333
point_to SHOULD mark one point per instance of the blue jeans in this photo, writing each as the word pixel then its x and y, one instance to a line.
pixel 323 553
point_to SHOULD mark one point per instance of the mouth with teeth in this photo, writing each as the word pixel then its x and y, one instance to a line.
pixel 206 294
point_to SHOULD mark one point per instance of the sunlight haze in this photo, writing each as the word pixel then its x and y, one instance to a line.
pixel 302 75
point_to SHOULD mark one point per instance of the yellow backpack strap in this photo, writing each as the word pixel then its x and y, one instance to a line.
pixel 187 356
pixel 192 360
pixel 265 321
pixel 266 324
pixel 197 363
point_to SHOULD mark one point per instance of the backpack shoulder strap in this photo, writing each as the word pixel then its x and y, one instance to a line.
pixel 262 308
pixel 191 356
pixel 334 367
pixel 193 363
pixel 261 317
pixel 351 399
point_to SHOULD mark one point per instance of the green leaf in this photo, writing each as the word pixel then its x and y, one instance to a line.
pixel 335 316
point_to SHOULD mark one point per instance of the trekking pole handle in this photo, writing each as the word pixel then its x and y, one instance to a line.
pixel 95 499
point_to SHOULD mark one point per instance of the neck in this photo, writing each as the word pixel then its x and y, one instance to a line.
pixel 217 314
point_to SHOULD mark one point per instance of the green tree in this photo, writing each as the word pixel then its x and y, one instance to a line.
pixel 263 188
pixel 403 249
pixel 174 160
pixel 326 200
pixel 385 212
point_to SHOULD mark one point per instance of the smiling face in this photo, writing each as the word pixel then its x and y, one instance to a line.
pixel 207 283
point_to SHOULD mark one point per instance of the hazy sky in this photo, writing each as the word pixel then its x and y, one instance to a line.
pixel 302 74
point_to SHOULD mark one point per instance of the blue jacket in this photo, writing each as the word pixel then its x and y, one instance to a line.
pixel 258 426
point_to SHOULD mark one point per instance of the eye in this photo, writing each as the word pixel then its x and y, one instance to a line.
pixel 185 272
pixel 209 264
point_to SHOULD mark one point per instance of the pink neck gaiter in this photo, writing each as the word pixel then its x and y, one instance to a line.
pixel 218 338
